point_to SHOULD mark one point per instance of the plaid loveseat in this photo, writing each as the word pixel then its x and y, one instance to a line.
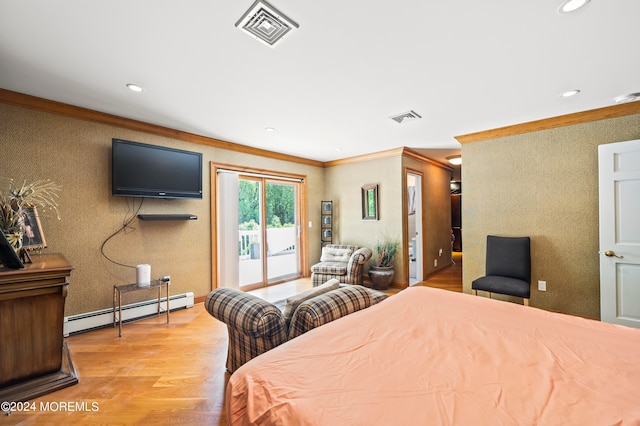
pixel 347 272
pixel 256 326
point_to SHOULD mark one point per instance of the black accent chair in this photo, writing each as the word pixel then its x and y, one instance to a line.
pixel 508 268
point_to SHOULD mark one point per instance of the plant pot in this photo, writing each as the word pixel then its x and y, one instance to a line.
pixel 381 277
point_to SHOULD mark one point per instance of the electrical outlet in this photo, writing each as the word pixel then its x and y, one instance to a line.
pixel 310 224
pixel 542 286
pixel 440 252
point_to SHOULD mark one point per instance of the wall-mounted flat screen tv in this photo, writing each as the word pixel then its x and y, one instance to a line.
pixel 142 170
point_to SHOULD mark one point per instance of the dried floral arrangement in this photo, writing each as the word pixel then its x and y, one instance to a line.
pixel 42 194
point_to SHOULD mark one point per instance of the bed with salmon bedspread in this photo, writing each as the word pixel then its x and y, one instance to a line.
pixel 433 357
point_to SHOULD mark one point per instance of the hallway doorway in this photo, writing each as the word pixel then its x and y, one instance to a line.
pixel 414 226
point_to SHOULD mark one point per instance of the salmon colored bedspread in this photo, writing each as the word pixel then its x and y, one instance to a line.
pixel 433 357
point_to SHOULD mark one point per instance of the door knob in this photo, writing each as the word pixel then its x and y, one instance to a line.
pixel 611 253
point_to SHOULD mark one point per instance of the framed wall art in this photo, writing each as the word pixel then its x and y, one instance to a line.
pixel 370 202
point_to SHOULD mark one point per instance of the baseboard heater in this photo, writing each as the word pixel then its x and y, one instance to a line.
pixel 104 318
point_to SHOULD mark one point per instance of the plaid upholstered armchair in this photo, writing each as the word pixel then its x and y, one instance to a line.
pixel 342 262
pixel 256 326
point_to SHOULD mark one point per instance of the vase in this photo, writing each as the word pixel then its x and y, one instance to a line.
pixel 381 277
pixel 15 239
pixel 12 224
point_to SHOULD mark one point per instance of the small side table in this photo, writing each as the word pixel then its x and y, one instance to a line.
pixel 127 288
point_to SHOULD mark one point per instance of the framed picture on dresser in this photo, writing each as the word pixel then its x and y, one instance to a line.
pixel 33 238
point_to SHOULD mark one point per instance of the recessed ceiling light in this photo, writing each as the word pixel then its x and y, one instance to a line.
pixel 572 5
pixel 269 129
pixel 135 87
pixel 631 97
pixel 569 93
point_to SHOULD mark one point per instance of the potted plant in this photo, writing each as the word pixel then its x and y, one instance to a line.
pixel 381 269
pixel 41 193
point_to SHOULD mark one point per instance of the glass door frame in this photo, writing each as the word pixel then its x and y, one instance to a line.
pixel 302 215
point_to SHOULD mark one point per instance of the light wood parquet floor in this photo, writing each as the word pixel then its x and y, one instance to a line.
pixel 158 373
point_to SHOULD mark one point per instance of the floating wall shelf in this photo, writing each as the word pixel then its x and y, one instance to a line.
pixel 167 217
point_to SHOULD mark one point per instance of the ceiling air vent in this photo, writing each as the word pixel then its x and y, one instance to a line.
pixel 265 23
pixel 628 98
pixel 405 117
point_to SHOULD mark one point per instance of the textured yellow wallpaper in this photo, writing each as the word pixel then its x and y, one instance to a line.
pixel 545 185
pixel 77 155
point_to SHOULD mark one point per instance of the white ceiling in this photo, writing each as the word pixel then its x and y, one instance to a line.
pixel 464 66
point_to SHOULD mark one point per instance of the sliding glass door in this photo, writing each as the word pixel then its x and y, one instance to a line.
pixel 268 225
pixel 283 260
pixel 250 230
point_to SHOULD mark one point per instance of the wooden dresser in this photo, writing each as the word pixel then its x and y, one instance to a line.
pixel 34 358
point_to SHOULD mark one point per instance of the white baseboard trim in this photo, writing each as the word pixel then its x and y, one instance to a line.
pixel 80 323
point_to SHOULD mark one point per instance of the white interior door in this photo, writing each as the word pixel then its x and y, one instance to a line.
pixel 619 185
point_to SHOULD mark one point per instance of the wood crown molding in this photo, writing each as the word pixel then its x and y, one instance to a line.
pixel 59 108
pixel 402 151
pixel 395 152
pixel 554 122
pixel 408 152
pixel 71 111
